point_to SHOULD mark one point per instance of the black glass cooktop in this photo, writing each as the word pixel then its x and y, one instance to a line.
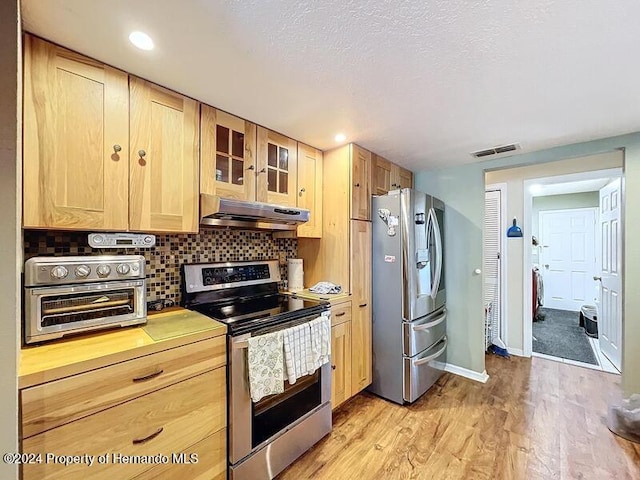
pixel 243 315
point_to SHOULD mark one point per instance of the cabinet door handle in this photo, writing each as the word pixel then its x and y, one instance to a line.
pixel 148 377
pixel 357 185
pixel 362 305
pixel 341 314
pixel 251 167
pixel 142 153
pixel 333 367
pixel 302 190
pixel 138 441
pixel 264 170
pixel 117 148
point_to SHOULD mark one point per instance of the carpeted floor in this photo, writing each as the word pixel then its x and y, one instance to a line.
pixel 560 335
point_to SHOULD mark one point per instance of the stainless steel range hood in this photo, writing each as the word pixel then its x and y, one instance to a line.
pixel 224 212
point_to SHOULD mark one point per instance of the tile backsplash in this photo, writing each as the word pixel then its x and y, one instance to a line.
pixel 163 261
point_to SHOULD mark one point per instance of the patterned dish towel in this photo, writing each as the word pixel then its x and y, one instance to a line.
pixel 325 287
pixel 266 362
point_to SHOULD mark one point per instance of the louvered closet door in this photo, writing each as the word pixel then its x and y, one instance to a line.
pixel 492 249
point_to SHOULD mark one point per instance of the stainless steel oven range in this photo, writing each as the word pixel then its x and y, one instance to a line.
pixel 266 436
pixel 68 295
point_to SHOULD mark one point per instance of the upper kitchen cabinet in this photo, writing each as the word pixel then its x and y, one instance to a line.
pixel 401 178
pixel 310 189
pixel 277 169
pixel 76 141
pixel 389 176
pixel 227 155
pixel 360 160
pixel 164 159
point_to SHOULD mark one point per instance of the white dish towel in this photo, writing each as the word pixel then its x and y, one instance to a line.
pixel 298 355
pixel 266 365
pixel 320 341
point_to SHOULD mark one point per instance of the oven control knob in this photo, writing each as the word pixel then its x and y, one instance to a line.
pixel 123 269
pixel 59 272
pixel 83 271
pixel 103 270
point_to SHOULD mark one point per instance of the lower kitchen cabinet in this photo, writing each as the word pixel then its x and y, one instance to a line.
pixel 350 351
pixel 148 414
pixel 340 354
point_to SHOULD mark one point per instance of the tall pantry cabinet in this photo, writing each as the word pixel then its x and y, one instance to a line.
pixel 343 255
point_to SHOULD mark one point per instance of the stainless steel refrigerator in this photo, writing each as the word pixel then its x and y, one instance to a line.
pixel 409 298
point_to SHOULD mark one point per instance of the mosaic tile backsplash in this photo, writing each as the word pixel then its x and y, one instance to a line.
pixel 171 251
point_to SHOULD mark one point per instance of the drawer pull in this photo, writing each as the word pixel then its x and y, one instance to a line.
pixel 138 441
pixel 341 314
pixel 148 377
pixel 362 305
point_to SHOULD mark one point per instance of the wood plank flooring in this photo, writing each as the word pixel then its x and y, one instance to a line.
pixel 534 419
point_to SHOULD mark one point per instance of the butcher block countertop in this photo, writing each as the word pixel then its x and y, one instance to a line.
pixel 333 298
pixel 164 330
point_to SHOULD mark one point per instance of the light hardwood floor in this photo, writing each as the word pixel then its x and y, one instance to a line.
pixel 533 419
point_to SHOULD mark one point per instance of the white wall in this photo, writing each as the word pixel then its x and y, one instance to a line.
pixel 514 178
pixel 10 251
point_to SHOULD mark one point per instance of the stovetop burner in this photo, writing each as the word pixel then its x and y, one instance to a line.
pixel 244 296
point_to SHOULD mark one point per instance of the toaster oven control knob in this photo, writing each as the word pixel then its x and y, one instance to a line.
pixel 83 271
pixel 59 272
pixel 103 270
pixel 123 269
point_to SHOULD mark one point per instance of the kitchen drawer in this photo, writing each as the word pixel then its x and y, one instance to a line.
pixel 163 422
pixel 55 403
pixel 340 313
pixel 211 465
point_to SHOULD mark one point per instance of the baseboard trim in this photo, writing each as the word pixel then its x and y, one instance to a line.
pixel 465 372
pixel 516 351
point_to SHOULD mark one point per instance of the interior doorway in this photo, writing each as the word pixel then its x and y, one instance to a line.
pixel 576 235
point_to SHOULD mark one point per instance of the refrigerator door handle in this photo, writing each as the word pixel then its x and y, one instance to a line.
pixel 427 326
pixel 435 286
pixel 424 360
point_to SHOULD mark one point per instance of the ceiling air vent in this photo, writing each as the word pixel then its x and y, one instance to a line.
pixel 496 150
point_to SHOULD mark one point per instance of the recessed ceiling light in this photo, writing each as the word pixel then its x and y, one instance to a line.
pixel 141 40
pixel 340 137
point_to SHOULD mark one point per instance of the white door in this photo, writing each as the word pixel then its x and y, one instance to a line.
pixel 493 235
pixel 568 257
pixel 610 311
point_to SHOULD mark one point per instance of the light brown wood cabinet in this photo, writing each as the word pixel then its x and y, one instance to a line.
pixel 76 140
pixel 360 183
pixel 277 168
pixel 164 403
pixel 389 176
pixel 227 155
pixel 343 255
pixel 101 153
pixel 310 189
pixel 163 192
pixel 361 328
pixel 340 354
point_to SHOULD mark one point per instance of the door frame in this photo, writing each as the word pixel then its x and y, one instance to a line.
pixel 527 225
pixel 502 188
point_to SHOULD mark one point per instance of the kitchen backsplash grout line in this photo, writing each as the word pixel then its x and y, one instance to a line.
pixel 164 260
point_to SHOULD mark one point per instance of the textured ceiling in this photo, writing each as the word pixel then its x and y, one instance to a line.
pixel 421 82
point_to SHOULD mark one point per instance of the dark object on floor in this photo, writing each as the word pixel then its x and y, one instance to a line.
pixel 560 335
pixel 498 351
pixel 589 320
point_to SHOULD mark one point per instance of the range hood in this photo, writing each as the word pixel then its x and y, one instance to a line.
pixel 216 211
